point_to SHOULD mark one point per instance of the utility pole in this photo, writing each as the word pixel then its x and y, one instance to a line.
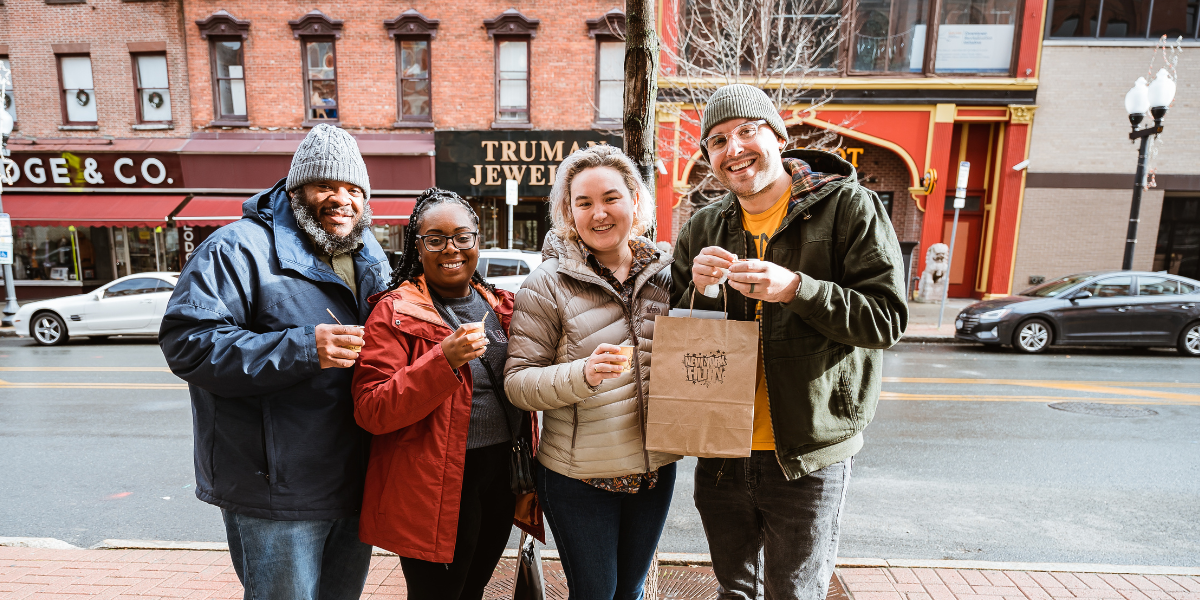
pixel 641 86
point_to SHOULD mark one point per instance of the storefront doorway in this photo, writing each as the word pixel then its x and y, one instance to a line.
pixel 1178 247
pixel 964 260
pixel 531 222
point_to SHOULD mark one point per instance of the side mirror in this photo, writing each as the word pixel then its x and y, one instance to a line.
pixel 97 295
pixel 1081 295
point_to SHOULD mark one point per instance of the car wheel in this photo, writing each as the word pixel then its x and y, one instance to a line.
pixel 48 329
pixel 1189 340
pixel 1033 336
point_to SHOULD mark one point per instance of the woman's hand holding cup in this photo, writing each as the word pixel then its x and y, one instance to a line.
pixel 606 362
pixel 464 345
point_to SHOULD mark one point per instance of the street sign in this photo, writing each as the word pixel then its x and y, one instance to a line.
pixel 5 225
pixel 6 240
pixel 960 191
pixel 510 192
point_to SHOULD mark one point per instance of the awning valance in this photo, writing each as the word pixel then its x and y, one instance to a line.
pixel 94 210
pixel 210 211
pixel 391 211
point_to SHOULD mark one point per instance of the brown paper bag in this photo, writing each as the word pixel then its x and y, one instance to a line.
pixel 702 386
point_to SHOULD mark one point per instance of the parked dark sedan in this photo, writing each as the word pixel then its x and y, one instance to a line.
pixel 1112 308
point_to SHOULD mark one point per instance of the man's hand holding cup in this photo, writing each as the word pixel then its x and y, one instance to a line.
pixel 763 280
pixel 338 345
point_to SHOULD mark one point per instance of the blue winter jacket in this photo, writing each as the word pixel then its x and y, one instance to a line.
pixel 275 436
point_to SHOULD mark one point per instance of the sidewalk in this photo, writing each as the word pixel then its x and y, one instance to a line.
pixel 923 319
pixel 39 573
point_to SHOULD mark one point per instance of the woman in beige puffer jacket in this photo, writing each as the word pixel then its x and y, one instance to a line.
pixel 600 286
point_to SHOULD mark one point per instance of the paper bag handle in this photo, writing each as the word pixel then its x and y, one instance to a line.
pixel 692 303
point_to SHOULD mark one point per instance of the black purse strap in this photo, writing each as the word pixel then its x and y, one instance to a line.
pixel 452 318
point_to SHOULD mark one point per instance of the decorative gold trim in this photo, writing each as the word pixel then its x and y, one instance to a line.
pixel 1021 114
pixel 866 83
pixel 944 113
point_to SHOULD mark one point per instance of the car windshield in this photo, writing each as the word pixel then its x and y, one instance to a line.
pixel 1052 289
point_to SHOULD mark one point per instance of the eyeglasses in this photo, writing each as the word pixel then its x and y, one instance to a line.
pixel 744 133
pixel 437 243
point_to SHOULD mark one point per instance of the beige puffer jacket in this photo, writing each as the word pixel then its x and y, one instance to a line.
pixel 562 312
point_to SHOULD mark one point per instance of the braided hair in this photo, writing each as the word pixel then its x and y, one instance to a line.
pixel 410 266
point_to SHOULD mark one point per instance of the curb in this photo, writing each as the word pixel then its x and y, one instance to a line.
pixel 673 558
pixel 8 332
pixel 934 339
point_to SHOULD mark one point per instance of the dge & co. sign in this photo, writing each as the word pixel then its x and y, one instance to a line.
pixel 476 163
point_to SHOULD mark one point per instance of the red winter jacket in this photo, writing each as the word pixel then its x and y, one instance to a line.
pixel 419 410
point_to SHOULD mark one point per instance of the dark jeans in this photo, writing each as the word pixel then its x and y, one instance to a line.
pixel 606 540
pixel 297 560
pixel 767 532
pixel 485 518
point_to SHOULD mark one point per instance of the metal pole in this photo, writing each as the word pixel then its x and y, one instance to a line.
pixel 950 260
pixel 1139 183
pixel 510 227
pixel 10 290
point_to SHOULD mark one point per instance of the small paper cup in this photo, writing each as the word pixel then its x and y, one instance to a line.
pixel 355 347
pixel 626 351
pixel 477 328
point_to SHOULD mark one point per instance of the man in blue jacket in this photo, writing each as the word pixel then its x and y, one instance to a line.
pixel 276 445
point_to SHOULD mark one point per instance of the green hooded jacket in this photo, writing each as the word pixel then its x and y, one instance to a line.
pixel 823 350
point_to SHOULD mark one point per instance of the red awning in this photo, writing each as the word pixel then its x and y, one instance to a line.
pixel 210 211
pixel 86 209
pixel 391 211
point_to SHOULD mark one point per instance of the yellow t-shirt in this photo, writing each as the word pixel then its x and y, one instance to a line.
pixel 762 226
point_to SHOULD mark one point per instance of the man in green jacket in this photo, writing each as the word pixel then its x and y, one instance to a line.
pixel 825 284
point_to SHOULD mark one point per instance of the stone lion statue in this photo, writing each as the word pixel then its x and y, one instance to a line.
pixel 936 276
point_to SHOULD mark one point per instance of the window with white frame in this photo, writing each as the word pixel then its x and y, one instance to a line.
pixel 78 92
pixel 153 89
pixel 610 79
pixel 512 80
pixel 9 101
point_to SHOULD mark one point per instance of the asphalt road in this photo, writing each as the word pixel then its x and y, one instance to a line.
pixel 965 459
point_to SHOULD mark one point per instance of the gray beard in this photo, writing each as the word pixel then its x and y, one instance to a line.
pixel 330 244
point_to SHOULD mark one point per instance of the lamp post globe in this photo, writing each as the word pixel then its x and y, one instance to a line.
pixel 6 123
pixel 1162 90
pixel 1137 101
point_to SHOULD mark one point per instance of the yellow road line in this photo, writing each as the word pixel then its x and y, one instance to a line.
pixel 89 369
pixel 1037 382
pixel 1039 399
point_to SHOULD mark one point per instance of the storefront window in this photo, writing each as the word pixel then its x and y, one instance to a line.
pixel 144 249
pixel 59 254
pixel 889 36
pixel 976 36
pixel 531 222
pixel 391 237
pixel 1122 18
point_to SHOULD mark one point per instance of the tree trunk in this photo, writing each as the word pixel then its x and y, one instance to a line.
pixel 641 86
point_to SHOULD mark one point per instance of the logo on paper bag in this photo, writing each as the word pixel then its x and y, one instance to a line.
pixel 705 369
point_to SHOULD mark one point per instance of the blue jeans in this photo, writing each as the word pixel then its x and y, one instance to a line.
pixel 297 560
pixel 769 534
pixel 606 540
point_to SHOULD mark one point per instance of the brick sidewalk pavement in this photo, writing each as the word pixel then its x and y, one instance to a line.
pixel 32 573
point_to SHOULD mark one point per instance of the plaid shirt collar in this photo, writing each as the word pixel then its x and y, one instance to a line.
pixel 644 253
pixel 805 180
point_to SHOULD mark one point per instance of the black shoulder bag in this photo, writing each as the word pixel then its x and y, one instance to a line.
pixel 520 471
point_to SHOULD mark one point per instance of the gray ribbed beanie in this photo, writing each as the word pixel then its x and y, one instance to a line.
pixel 330 153
pixel 740 101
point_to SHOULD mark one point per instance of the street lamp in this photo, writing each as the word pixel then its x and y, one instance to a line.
pixel 1155 97
pixel 6 127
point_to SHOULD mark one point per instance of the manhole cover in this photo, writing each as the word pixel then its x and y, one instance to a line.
pixel 1099 409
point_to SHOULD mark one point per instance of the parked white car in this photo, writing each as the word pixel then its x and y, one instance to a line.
pixel 131 305
pixel 507 269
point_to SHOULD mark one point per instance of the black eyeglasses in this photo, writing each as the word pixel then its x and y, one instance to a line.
pixel 437 243
pixel 744 133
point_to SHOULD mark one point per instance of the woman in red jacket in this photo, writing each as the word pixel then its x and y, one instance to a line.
pixel 437 490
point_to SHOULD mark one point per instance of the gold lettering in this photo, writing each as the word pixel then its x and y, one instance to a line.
pixel 491 146
pixel 553 168
pixel 574 147
pixel 854 154
pixel 552 154
pixel 493 175
pixel 478 175
pixel 514 172
pixel 591 144
pixel 532 151
pixel 842 153
pixel 508 151
pixel 535 172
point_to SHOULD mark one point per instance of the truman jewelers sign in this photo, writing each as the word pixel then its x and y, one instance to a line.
pixel 477 163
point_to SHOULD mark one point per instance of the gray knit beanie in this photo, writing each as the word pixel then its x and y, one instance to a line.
pixel 740 101
pixel 328 153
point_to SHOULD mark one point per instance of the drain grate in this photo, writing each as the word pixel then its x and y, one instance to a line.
pixel 1099 409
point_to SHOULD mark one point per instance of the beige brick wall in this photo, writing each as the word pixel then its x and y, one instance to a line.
pixel 1066 231
pixel 1081 124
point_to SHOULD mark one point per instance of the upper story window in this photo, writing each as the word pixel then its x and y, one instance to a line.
pixel 609 31
pixel 513 33
pixel 153 89
pixel 318 35
pixel 1122 19
pixel 9 101
pixel 976 36
pixel 77 90
pixel 414 94
pixel 226 37
pixel 889 36
pixel 762 40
